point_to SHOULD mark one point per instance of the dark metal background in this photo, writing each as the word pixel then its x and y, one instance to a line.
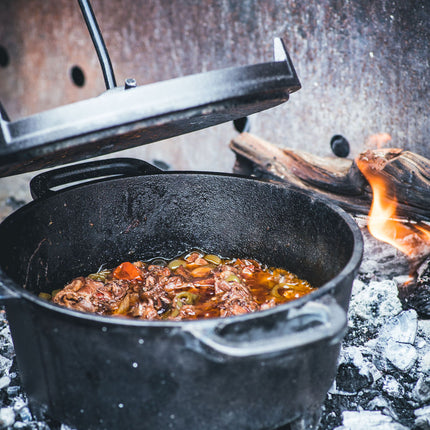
pixel 364 66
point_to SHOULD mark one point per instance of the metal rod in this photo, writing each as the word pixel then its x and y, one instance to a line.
pixel 99 43
pixel 4 130
pixel 3 114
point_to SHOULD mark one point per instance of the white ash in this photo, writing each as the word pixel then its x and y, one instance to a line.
pixel 422 420
pixel 373 304
pixel 7 417
pixel 402 328
pixel 383 377
pixel 369 419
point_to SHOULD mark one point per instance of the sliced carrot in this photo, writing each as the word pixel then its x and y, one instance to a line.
pixel 127 271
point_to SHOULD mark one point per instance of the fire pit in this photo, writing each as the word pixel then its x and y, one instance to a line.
pixel 381 379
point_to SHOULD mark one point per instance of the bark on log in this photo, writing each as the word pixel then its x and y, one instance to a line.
pixel 340 180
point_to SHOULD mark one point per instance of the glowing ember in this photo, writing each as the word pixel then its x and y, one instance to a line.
pixel 410 238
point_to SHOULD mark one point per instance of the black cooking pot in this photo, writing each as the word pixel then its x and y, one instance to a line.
pixel 255 371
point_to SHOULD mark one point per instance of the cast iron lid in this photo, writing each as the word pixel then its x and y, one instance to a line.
pixel 124 117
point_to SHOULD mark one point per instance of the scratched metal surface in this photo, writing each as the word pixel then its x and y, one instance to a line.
pixel 364 66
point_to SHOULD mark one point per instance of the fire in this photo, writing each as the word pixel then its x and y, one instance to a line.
pixel 383 222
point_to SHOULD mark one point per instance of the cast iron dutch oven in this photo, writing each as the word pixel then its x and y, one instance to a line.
pixel 256 371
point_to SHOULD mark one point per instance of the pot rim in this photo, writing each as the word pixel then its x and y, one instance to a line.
pixel 18 292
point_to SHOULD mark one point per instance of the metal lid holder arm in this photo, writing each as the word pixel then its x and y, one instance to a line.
pixel 99 44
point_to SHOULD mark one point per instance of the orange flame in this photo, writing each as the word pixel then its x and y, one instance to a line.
pixel 383 222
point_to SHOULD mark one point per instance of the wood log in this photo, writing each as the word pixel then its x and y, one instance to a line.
pixel 339 179
pixel 415 292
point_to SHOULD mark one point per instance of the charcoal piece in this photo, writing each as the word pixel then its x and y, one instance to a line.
pixel 391 353
pixel 417 298
pixel 400 328
pixel 416 294
pixel 421 391
pixel 349 378
pixel 373 303
pixel 392 387
pixel 25 414
pixel 380 403
pixel 353 356
pixel 330 420
pixel 5 365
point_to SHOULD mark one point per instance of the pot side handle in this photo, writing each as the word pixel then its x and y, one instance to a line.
pixel 293 329
pixel 40 185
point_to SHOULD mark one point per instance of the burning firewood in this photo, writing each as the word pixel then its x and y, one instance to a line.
pixel 391 186
pixel 340 179
pixel 415 293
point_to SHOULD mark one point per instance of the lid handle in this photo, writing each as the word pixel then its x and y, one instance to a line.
pixel 99 44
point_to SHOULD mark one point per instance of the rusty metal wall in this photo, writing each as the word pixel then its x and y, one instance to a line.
pixel 364 66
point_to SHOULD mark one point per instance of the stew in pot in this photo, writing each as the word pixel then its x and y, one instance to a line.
pixel 195 285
